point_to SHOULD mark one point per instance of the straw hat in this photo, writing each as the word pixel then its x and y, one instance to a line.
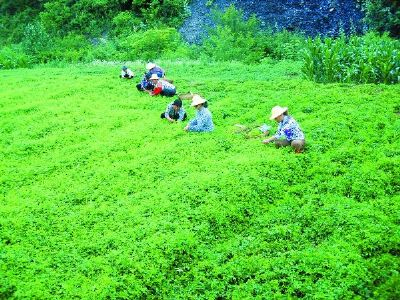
pixel 276 111
pixel 154 76
pixel 197 100
pixel 150 66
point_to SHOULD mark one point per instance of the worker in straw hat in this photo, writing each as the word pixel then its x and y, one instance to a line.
pixel 203 120
pixel 288 132
pixel 152 68
pixel 161 87
pixel 146 84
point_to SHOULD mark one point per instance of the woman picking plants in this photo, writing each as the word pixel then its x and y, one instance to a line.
pixel 288 132
pixel 203 121
pixel 161 87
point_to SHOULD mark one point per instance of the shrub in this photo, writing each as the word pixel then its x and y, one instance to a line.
pixel 105 50
pixel 71 48
pixel 94 18
pixel 35 39
pixel 150 44
pixel 234 38
pixel 13 56
pixel 126 23
pixel 283 44
pixel 168 12
pixel 367 59
pixel 56 17
pixel 382 15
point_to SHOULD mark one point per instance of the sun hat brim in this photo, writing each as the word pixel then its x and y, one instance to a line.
pixel 276 112
pixel 150 66
pixel 197 100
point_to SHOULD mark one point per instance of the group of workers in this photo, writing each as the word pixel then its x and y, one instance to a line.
pixel 155 83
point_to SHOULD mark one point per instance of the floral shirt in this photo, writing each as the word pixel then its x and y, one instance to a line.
pixel 171 112
pixel 202 122
pixel 289 129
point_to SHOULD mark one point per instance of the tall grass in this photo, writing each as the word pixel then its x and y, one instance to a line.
pixel 366 59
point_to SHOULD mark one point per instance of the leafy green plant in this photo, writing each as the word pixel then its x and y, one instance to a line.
pixel 150 44
pixel 101 199
pixel 169 13
pixel 125 23
pixel 283 44
pixel 234 38
pixel 35 39
pixel 12 57
pixel 382 15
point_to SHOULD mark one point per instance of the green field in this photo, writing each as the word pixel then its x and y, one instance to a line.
pixel 101 199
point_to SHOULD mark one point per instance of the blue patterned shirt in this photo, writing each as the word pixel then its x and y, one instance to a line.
pixel 202 122
pixel 289 129
pixel 170 111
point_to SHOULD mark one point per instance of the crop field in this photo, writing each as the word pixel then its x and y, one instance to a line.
pixel 101 199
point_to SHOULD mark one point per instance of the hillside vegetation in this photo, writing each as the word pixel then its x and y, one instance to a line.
pixel 101 199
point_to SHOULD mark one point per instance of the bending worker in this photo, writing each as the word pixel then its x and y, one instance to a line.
pixel 288 132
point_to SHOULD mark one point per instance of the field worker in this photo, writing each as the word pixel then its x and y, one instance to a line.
pixel 152 68
pixel 174 112
pixel 161 87
pixel 203 121
pixel 146 84
pixel 126 73
pixel 288 132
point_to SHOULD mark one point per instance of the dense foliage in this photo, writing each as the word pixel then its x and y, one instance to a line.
pixel 382 15
pixel 234 38
pixel 91 18
pixel 96 18
pixel 101 199
pixel 367 59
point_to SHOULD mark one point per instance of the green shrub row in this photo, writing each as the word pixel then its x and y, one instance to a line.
pixel 111 17
pixel 88 17
pixel 366 59
pixel 234 39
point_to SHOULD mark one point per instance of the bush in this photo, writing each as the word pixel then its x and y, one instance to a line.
pixel 234 38
pixel 105 50
pixel 36 39
pixel 71 48
pixel 382 15
pixel 94 18
pixel 168 12
pixel 150 44
pixel 367 59
pixel 125 23
pixel 12 57
pixel 283 44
